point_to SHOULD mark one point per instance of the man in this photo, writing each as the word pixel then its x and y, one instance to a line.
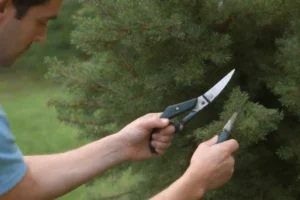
pixel 23 22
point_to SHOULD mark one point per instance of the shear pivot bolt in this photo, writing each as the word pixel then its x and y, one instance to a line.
pixel 177 108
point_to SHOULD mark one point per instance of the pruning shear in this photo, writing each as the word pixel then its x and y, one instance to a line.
pixel 195 105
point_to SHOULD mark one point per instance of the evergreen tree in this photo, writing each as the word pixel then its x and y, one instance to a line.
pixel 148 54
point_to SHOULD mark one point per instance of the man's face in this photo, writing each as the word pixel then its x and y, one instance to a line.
pixel 16 36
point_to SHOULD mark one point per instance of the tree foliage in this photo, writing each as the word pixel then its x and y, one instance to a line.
pixel 148 54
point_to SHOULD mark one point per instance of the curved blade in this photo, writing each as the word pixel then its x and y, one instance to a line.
pixel 211 94
pixel 228 126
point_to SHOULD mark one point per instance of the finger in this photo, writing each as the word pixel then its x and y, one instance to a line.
pixel 168 131
pixel 211 141
pixel 149 115
pixel 151 121
pixel 230 146
pixel 162 138
pixel 160 151
pixel 160 145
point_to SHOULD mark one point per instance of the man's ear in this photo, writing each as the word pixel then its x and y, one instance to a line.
pixel 3 4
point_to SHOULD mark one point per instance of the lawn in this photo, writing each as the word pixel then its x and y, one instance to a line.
pixel 32 122
pixel 37 130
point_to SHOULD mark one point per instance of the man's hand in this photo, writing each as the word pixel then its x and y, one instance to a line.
pixel 136 135
pixel 211 166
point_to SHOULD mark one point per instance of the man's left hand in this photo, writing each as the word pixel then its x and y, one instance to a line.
pixel 135 137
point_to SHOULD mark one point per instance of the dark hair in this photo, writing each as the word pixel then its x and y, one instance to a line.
pixel 22 6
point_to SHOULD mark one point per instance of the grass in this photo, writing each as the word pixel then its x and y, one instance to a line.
pixel 37 130
pixel 32 122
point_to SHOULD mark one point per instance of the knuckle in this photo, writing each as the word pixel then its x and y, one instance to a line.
pixel 159 144
pixel 168 131
pixel 161 139
pixel 171 128
pixel 226 151
pixel 234 144
pixel 153 143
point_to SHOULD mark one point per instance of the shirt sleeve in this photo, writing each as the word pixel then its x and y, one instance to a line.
pixel 12 165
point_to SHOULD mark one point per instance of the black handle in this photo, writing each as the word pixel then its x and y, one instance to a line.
pixel 223 136
pixel 171 112
pixel 174 110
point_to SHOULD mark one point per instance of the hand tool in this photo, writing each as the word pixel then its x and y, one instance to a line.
pixel 195 105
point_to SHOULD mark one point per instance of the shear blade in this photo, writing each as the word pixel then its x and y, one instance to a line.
pixel 211 94
pixel 228 126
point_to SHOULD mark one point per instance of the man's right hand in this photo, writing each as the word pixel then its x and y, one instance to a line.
pixel 212 165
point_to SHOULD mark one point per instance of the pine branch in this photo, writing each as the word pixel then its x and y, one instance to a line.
pixel 103 88
pixel 124 31
pixel 77 121
pixel 295 92
pixel 128 66
pixel 222 27
pixel 104 8
pixel 70 77
pixel 74 105
pixel 99 87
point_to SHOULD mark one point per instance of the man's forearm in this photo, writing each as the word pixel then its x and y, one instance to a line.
pixel 181 189
pixel 51 176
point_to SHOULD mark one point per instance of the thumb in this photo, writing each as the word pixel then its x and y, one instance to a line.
pixel 152 121
pixel 211 141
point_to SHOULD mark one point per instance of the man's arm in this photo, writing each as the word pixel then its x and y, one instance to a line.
pixel 51 176
pixel 212 165
pixel 184 188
